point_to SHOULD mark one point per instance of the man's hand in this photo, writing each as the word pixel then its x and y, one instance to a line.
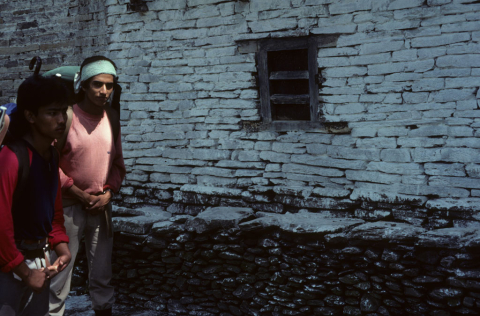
pixel 34 278
pixel 85 198
pixel 100 203
pixel 62 261
pixel 94 204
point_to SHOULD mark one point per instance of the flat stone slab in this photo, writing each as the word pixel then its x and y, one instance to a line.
pixel 81 305
pixel 387 197
pixel 464 204
pixel 302 222
pixel 452 238
pixel 211 190
pixel 137 221
pixel 157 221
pixel 320 203
pixel 165 227
pixel 215 218
pixel 385 231
pixel 118 211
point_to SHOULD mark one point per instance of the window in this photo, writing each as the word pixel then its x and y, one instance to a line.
pixel 288 76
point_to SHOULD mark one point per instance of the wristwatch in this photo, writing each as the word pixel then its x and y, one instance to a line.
pixel 106 190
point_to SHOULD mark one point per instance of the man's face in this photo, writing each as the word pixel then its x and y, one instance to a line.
pixel 50 121
pixel 99 89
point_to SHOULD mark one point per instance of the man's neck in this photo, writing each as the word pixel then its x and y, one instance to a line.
pixel 89 107
pixel 40 143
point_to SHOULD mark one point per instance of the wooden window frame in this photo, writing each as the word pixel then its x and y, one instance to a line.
pixel 284 44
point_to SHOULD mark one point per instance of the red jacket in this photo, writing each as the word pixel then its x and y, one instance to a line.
pixel 10 256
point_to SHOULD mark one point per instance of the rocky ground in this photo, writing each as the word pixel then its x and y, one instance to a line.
pixel 80 305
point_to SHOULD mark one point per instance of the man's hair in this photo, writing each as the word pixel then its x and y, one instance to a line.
pixel 35 92
pixel 81 94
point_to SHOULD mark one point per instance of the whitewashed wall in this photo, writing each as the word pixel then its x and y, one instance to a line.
pixel 404 75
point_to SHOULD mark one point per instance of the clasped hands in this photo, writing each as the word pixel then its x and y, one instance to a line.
pixel 96 204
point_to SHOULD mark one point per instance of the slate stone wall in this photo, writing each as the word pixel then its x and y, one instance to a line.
pixel 399 96
pixel 61 32
pixel 228 261
pixel 402 77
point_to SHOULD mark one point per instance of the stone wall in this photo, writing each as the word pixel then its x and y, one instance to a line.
pixel 401 76
pixel 385 206
pixel 61 32
pixel 404 76
pixel 229 261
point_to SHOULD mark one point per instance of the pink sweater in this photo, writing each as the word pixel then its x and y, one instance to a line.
pixel 90 159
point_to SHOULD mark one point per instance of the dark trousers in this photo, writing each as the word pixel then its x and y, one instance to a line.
pixel 17 299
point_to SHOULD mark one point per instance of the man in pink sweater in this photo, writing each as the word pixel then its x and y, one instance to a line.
pixel 91 170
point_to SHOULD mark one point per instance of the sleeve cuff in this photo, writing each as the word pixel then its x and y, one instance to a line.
pixel 108 186
pixel 55 240
pixel 67 185
pixel 12 264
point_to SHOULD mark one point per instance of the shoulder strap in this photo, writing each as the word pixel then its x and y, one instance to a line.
pixel 20 150
pixel 114 119
pixel 61 142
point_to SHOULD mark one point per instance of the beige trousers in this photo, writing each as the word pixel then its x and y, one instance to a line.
pixel 98 246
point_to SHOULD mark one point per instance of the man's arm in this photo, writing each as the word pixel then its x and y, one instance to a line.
pixel 114 180
pixel 68 186
pixel 63 259
pixel 4 129
pixel 92 203
pixel 66 182
pixel 58 237
pixel 58 233
pixel 117 171
pixel 10 256
pixel 85 198
pixel 35 278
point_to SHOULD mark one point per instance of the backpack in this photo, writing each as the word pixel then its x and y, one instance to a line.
pixel 19 148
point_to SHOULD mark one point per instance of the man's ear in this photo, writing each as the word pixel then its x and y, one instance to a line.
pixel 29 116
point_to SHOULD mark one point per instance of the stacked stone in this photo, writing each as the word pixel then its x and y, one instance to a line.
pixel 401 75
pixel 227 262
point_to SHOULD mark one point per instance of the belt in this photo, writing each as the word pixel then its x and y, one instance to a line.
pixel 32 241
pixel 29 244
pixel 35 250
pixel 34 253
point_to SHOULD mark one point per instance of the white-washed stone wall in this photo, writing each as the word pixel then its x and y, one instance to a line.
pixel 403 74
pixel 61 32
